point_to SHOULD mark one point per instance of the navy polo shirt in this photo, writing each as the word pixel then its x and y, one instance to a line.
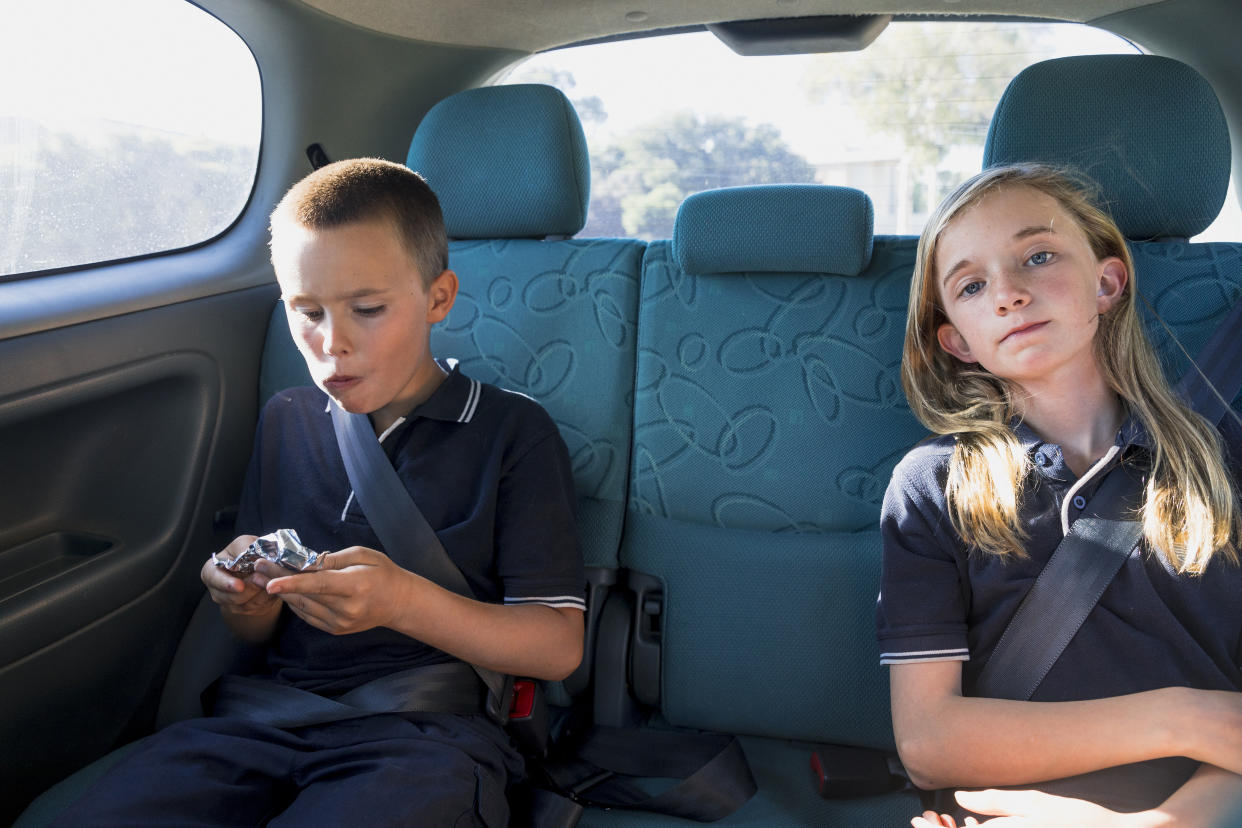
pixel 488 469
pixel 1152 627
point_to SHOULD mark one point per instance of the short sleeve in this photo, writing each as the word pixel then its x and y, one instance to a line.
pixel 922 610
pixel 538 556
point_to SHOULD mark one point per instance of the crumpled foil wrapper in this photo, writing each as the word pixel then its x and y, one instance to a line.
pixel 282 547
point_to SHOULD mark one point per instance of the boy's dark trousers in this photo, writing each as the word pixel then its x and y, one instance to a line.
pixel 428 769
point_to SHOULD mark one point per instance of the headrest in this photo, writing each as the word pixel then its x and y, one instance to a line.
pixel 505 162
pixel 1148 130
pixel 779 228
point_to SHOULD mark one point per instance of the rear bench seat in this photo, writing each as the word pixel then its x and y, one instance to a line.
pixel 768 415
pixel 759 383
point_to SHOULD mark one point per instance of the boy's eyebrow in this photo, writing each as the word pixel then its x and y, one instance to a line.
pixel 360 293
pixel 1033 230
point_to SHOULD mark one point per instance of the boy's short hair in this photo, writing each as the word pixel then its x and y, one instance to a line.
pixel 363 189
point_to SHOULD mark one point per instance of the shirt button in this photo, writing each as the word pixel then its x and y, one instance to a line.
pixel 1079 501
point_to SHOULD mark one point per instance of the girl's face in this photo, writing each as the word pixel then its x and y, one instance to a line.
pixel 1021 288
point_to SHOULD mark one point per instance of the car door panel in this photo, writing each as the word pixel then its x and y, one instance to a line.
pixel 119 440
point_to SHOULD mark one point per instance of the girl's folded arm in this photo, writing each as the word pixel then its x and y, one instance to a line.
pixel 947 740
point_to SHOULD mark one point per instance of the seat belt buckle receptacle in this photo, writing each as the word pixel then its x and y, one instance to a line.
pixel 842 772
pixel 528 717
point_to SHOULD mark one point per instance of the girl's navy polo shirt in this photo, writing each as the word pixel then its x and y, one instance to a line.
pixel 1152 627
pixel 488 469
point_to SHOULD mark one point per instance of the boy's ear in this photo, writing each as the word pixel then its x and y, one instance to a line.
pixel 440 296
pixel 1113 278
pixel 952 342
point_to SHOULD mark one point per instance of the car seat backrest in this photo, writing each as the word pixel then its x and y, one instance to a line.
pixel 1150 133
pixel 553 319
pixel 768 415
pixel 550 317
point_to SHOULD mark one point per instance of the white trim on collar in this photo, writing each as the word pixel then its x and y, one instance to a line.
pixel 472 401
pixel 1078 484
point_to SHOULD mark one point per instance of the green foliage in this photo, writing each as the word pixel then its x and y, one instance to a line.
pixel 79 200
pixel 932 86
pixel 642 178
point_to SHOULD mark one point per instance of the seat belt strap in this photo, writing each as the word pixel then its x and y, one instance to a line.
pixel 1063 595
pixel 451 687
pixel 1213 380
pixel 398 522
pixel 715 777
pixel 1092 553
pixel 401 527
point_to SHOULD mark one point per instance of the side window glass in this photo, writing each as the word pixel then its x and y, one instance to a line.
pixel 126 128
pixel 903 120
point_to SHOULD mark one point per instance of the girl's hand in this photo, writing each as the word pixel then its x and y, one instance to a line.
pixel 355 589
pixel 1036 809
pixel 931 819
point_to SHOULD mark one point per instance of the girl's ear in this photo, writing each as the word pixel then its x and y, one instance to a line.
pixel 952 342
pixel 1113 278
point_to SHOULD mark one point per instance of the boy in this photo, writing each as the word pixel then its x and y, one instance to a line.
pixel 361 255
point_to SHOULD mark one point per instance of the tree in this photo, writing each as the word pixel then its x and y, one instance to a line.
pixel 642 178
pixel 79 198
pixel 933 86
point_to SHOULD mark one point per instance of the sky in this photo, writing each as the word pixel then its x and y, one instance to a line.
pixel 160 64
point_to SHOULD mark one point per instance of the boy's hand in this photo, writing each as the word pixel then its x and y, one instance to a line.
pixel 236 595
pixel 355 589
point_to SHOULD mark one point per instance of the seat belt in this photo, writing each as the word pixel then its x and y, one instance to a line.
pixel 1091 554
pixel 403 530
pixel 451 687
pixel 1214 379
pixel 1087 559
pixel 1064 593
pixel 715 777
pixel 405 533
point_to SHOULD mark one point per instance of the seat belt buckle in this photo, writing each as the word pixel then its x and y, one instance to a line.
pixel 528 717
pixel 842 772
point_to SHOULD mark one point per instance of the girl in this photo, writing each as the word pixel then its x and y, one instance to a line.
pixel 1025 353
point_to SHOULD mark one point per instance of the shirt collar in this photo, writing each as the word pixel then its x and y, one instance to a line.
pixel 1131 433
pixel 455 399
pixel 1047 458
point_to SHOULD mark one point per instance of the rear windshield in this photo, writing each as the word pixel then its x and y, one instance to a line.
pixel 903 120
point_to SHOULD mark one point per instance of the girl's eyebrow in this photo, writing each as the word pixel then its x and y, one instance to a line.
pixel 951 272
pixel 1034 230
pixel 1025 232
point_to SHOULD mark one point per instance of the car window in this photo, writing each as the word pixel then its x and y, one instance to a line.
pixel 126 128
pixel 903 120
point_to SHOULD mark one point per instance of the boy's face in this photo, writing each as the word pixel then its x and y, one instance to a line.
pixel 360 315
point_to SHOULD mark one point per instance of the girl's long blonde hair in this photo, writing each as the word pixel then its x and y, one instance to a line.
pixel 1190 508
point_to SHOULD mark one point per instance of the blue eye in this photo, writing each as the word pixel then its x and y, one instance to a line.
pixel 1039 258
pixel 971 288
